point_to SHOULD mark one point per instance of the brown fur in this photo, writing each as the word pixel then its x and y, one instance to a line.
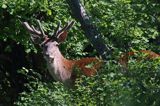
pixel 125 57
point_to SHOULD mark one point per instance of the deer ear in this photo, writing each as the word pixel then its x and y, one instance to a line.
pixel 61 38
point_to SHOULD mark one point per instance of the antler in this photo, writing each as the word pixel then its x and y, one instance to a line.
pixel 40 32
pixel 65 28
pixel 33 30
pixel 59 31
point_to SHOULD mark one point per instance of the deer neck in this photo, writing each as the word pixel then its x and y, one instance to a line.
pixel 60 68
pixel 57 56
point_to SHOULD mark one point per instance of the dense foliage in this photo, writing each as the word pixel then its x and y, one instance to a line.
pixel 125 25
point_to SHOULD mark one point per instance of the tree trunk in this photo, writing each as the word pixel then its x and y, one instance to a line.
pixel 91 32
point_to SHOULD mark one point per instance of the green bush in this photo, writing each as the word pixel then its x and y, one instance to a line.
pixel 110 87
pixel 126 25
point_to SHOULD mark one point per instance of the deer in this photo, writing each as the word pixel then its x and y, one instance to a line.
pixel 123 60
pixel 60 68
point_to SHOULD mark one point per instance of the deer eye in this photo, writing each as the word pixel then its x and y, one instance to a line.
pixel 44 47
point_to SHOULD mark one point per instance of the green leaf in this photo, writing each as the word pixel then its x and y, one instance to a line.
pixel 49 12
pixel 4 6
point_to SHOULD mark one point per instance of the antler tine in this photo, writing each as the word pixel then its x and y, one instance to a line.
pixel 70 25
pixel 66 27
pixel 41 29
pixel 57 29
pixel 31 29
pixel 34 29
pixel 63 29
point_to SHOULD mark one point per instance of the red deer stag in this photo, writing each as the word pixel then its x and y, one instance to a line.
pixel 123 60
pixel 60 68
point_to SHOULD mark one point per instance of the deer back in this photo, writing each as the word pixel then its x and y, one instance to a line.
pixel 123 60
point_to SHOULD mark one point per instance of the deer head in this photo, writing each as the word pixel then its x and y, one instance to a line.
pixel 48 44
